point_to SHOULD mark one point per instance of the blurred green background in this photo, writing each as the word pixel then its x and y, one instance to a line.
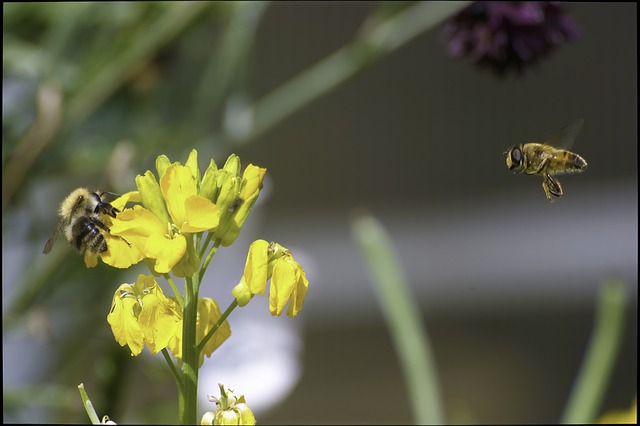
pixel 506 282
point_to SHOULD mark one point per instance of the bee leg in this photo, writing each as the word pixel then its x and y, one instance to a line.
pixel 552 187
pixel 541 167
pixel 104 227
pixel 106 208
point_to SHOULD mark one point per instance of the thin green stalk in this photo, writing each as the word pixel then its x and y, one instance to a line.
pixel 173 369
pixel 204 246
pixel 217 325
pixel 212 252
pixel 593 378
pixel 226 67
pixel 379 38
pixel 403 318
pixel 88 406
pixel 188 403
pixel 176 292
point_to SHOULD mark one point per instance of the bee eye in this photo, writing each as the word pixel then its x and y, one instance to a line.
pixel 516 156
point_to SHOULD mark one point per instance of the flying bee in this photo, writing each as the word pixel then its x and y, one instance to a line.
pixel 82 221
pixel 548 159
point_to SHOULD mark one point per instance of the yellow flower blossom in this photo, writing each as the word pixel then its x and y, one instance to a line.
pixel 289 282
pixel 232 410
pixel 208 315
pixel 141 314
pixel 170 211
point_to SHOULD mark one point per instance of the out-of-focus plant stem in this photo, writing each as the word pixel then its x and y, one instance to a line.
pixel 403 319
pixel 593 377
pixel 94 93
pixel 174 19
pixel 225 70
pixel 39 135
pixel 379 37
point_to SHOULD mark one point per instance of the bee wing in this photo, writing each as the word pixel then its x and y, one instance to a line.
pixel 54 235
pixel 565 137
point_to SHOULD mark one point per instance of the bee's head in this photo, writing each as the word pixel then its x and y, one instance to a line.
pixel 514 157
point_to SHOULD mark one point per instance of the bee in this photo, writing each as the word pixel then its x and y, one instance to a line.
pixel 548 159
pixel 82 222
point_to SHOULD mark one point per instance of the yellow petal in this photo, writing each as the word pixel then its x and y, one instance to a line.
pixel 256 268
pixel 166 251
pixel 177 184
pixel 90 259
pixel 135 225
pixel 159 319
pixel 282 285
pixel 121 253
pixel 246 415
pixel 299 292
pixel 252 180
pixel 201 214
pixel 123 321
pixel 208 315
pixel 130 197
pixel 137 222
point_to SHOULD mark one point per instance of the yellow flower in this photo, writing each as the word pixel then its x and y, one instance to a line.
pixel 289 282
pixel 171 211
pixel 141 313
pixel 208 315
pixel 232 410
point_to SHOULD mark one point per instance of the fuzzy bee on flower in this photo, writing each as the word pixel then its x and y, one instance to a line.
pixel 82 222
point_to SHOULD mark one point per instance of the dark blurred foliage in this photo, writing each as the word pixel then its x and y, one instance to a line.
pixel 156 73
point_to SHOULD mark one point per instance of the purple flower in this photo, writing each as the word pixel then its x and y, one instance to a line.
pixel 505 35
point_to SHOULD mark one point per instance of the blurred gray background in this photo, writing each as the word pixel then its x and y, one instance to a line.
pixel 507 283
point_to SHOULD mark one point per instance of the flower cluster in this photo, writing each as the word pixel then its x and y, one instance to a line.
pixel 182 204
pixel 231 410
pixel 505 35
pixel 271 261
pixel 141 314
pixel 175 222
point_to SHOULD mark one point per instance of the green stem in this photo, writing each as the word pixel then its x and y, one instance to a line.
pixel 212 252
pixel 403 318
pixel 217 325
pixel 176 292
pixel 88 406
pixel 188 404
pixel 378 38
pixel 174 370
pixel 595 372
pixel 204 246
